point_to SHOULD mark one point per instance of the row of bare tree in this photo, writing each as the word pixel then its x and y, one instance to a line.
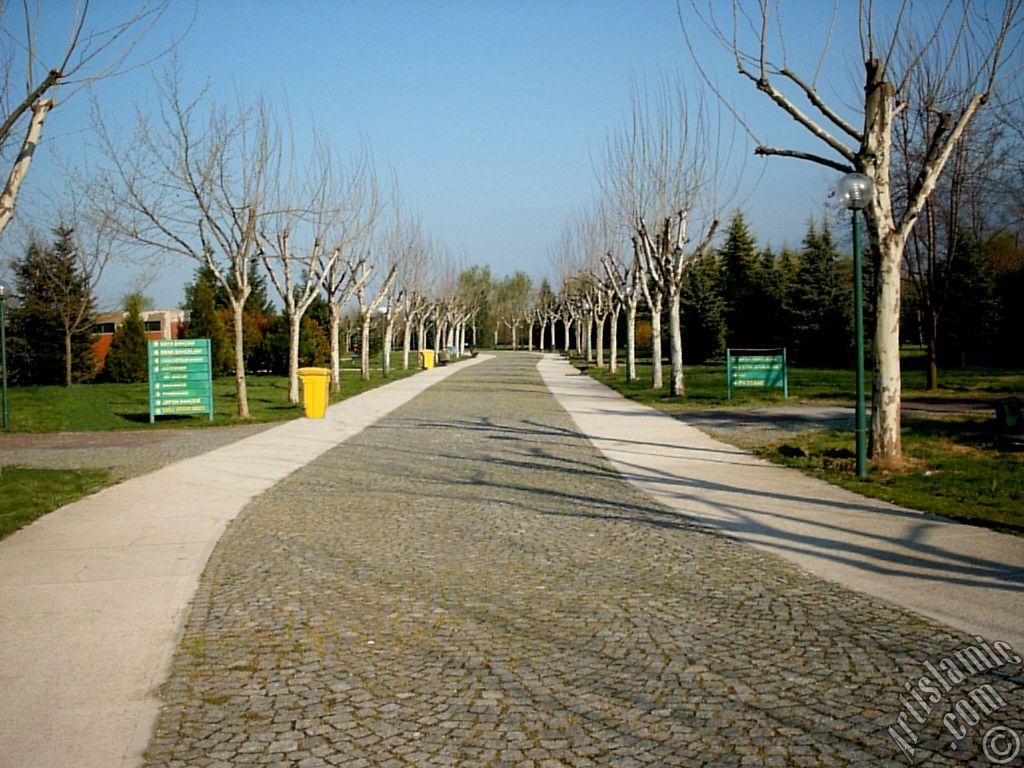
pixel 929 71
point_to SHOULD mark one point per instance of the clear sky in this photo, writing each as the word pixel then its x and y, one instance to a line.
pixel 490 113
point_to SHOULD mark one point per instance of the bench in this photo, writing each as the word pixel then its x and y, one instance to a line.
pixel 1009 423
pixel 448 354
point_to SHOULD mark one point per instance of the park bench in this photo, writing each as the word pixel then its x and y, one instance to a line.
pixel 448 354
pixel 1010 423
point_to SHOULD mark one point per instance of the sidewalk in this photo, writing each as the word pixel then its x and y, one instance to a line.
pixel 92 596
pixel 966 577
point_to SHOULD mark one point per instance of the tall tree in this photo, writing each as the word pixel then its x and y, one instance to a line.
pixel 703 310
pixel 127 361
pixel 663 175
pixel 739 288
pixel 195 183
pixel 204 322
pixel 819 303
pixel 966 45
pixel 54 318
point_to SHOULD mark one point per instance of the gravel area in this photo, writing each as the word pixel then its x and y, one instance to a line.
pixel 467 583
pixel 123 454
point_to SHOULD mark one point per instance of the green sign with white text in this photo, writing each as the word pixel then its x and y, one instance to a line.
pixel 756 368
pixel 180 378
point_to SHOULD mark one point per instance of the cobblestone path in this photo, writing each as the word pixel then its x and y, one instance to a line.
pixel 467 584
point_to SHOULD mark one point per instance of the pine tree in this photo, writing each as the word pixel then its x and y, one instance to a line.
pixel 205 323
pixel 739 264
pixel 703 311
pixel 51 324
pixel 969 324
pixel 127 361
pixel 819 305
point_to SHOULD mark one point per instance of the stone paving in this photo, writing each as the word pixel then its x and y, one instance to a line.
pixel 467 583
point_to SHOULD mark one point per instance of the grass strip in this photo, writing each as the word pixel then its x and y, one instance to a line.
pixel 30 493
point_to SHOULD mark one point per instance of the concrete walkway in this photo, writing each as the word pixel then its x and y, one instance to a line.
pixel 969 578
pixel 93 595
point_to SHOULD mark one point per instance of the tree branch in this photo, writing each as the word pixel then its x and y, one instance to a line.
pixel 799 155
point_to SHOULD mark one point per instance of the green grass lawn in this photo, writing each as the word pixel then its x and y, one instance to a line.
pixel 952 467
pixel 98 407
pixel 31 493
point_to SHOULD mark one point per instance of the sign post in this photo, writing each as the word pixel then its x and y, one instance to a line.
pixel 180 378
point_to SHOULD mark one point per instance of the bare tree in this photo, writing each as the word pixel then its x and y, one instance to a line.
pixel 317 214
pixel 344 276
pixel 386 250
pixel 196 183
pixel 343 280
pixel 624 280
pixel 973 49
pixel 662 177
pixel 91 54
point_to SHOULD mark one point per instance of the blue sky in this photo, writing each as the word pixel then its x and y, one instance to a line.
pixel 490 114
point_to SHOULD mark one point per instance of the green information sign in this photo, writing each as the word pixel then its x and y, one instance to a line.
pixel 756 368
pixel 180 378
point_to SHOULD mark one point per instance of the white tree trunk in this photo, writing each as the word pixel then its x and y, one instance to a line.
pixel 613 341
pixel 631 342
pixel 238 313
pixel 364 349
pixel 657 379
pixel 677 386
pixel 406 343
pixel 20 168
pixel 334 332
pixel 600 339
pixel 294 326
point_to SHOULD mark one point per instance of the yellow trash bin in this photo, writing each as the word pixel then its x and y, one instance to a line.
pixel 315 385
pixel 427 356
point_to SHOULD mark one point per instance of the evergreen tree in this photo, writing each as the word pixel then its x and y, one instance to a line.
pixel 968 328
pixel 205 322
pixel 51 325
pixel 819 303
pixel 740 272
pixel 127 360
pixel 703 311
pixel 767 303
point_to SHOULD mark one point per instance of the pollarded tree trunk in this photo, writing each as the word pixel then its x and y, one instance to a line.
pixel 613 341
pixel 334 328
pixel 657 376
pixel 294 326
pixel 238 313
pixel 599 332
pixel 364 349
pixel 677 385
pixel 631 341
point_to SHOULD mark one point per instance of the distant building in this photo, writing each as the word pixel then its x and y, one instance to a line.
pixel 160 324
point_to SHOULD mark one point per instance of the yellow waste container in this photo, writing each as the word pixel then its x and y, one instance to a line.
pixel 427 355
pixel 315 385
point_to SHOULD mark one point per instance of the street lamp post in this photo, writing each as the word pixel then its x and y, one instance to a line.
pixel 385 352
pixel 854 193
pixel 3 356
